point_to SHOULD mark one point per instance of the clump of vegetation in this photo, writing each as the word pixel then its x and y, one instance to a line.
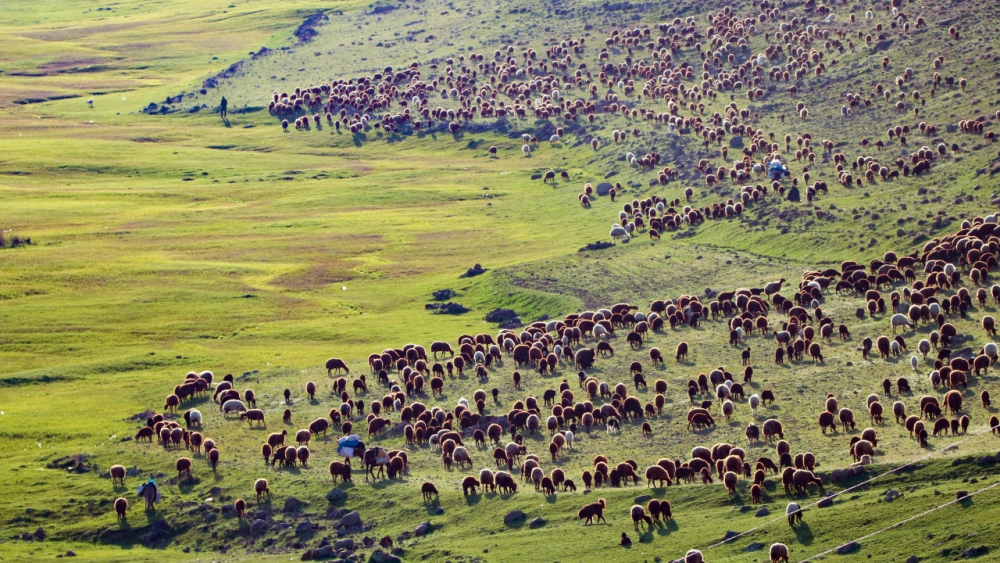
pixel 444 294
pixel 449 308
pixel 10 239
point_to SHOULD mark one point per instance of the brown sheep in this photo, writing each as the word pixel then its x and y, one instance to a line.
pixel 213 458
pixel 802 478
pixel 183 466
pixel 953 400
pixel 311 390
pixel 469 483
pixel 240 506
pixel 779 553
pixel 730 479
pixel 638 514
pixel 121 505
pixel 428 490
pixel 592 512
pixel 260 487
pixel 253 415
pixel 682 351
pixel 336 364
pixel 340 470
pixel 117 473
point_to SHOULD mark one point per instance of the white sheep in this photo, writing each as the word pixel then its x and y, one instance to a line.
pixel 462 401
pixel 899 320
pixel 618 232
pixel 194 418
pixel 569 438
pixel 600 332
pixel 913 362
pixel 526 150
pixel 233 405
pixel 754 401
pixel 554 138
pixel 990 350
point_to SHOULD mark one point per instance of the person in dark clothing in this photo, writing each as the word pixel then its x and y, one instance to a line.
pixel 223 105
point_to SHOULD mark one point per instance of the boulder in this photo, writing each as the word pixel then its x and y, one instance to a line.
pixel 379 556
pixel 512 517
pixel 762 512
pixel 610 174
pixel 730 535
pixel 849 547
pixel 642 498
pixel 336 496
pixel 304 527
pixel 422 529
pixel 755 546
pixel 603 188
pixel 258 525
pixel 891 495
pixel 975 551
pixel 736 143
pixel 350 519
pixel 500 315
pixel 344 544
pixel 292 504
pixel 912 559
pixel 537 522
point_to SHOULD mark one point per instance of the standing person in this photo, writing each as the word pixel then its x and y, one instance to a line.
pixel 223 104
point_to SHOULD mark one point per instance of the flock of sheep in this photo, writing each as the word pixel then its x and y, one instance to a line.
pixel 583 339
pixel 558 84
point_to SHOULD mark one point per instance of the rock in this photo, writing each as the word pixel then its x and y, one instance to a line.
pixel 304 527
pixel 537 522
pixel 336 496
pixel 71 553
pixel 974 551
pixel 258 526
pixel 473 271
pixel 211 517
pixel 500 315
pixel 755 546
pixel 912 559
pixel 603 188
pixel 512 517
pixel 730 535
pixel 536 176
pixel 745 508
pixel 350 519
pixel 39 534
pixel 443 294
pixel 439 511
pixel 891 495
pixel 736 143
pixel 379 556
pixel 642 498
pixel 215 491
pixel 849 547
pixel 292 504
pixel 422 528
pixel 344 544
pixel 825 502
pixel 610 174
pixel 762 512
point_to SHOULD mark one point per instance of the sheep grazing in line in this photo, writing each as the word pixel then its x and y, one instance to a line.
pixel 638 514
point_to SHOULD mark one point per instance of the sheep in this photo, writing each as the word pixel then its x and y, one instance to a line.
pixel 428 490
pixel 694 556
pixel 638 514
pixel 183 466
pixel 898 320
pixel 233 405
pixel 240 507
pixel 260 487
pixel 193 418
pixel 117 473
pixel 121 505
pixel 253 415
pixel 779 551
pixel 794 513
pixel 592 512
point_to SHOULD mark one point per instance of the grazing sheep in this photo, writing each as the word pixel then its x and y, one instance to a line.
pixel 428 490
pixel 638 514
pixel 183 466
pixel 778 553
pixel 260 487
pixel 240 506
pixel 694 556
pixel 121 505
pixel 592 512
pixel 794 513
pixel 117 473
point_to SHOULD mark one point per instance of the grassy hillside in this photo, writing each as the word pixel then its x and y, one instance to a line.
pixel 165 241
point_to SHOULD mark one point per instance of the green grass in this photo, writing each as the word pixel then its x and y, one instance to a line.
pixel 168 243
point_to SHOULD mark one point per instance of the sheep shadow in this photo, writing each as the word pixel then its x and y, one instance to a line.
pixel 803 533
pixel 667 528
pixel 473 499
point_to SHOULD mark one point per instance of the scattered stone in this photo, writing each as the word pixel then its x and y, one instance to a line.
pixel 473 271
pixel 336 496
pixel 849 547
pixel 642 498
pixel 71 553
pixel 730 535
pixel 604 188
pixel 762 512
pixel 379 556
pixel 825 502
pixel 439 511
pixel 512 517
pixel 755 546
pixel 500 315
pixel 258 526
pixel 344 544
pixel 39 534
pixel 304 527
pixel 422 529
pixel 536 522
pixel 610 174
pixel 450 308
pixel 974 551
pixel 891 495
pixel 292 504
pixel 912 559
pixel 444 294
pixel 350 519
